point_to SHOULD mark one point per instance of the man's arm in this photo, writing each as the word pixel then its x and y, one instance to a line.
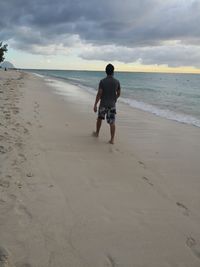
pixel 118 91
pixel 98 97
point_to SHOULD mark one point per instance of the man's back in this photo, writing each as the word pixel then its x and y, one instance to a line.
pixel 108 93
pixel 109 86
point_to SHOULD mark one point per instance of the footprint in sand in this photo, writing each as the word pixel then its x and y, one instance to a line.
pixel 115 150
pixel 182 206
pixel 36 104
pixel 36 107
pixel 147 180
pixel 26 130
pixel 192 244
pixel 29 174
pixel 142 164
pixel 5 259
pixel 2 201
pixel 22 156
pixel 111 261
pixel 7 117
pixel 2 150
pixel 4 183
pixel 19 144
pixel 17 124
pixel 24 211
pixel 18 184
pixel 15 110
pixel 6 112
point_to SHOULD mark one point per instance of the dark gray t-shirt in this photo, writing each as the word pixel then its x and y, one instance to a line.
pixel 109 86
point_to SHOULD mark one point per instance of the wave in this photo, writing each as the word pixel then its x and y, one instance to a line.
pixel 38 75
pixel 164 113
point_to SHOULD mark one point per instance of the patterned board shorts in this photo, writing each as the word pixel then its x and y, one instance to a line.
pixel 108 112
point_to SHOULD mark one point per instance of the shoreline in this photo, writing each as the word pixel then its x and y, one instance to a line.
pixel 69 199
pixel 181 117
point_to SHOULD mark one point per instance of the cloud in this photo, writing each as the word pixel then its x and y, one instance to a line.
pixel 125 30
pixel 171 55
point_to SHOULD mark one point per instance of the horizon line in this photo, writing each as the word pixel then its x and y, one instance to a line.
pixel 129 71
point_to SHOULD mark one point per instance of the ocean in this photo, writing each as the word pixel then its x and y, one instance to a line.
pixel 172 96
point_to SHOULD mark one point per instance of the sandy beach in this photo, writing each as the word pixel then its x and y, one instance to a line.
pixel 69 199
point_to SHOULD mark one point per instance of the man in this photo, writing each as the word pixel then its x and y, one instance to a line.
pixel 108 93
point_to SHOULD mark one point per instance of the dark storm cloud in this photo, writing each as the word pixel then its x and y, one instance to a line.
pixel 128 23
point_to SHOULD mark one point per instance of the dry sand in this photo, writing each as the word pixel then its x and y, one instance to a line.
pixel 69 199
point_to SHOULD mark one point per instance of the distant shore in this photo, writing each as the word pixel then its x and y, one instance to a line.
pixel 69 199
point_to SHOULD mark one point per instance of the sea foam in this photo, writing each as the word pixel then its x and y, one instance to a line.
pixel 164 113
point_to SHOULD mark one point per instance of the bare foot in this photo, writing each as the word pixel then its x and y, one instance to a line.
pixel 111 142
pixel 95 134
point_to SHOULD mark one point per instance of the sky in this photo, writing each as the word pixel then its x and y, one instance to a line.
pixel 134 35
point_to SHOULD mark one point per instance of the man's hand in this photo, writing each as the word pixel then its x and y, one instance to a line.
pixel 98 97
pixel 95 108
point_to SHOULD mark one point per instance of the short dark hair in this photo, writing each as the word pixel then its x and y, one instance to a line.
pixel 109 69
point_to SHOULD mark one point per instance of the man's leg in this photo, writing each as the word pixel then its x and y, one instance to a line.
pixel 98 127
pixel 112 133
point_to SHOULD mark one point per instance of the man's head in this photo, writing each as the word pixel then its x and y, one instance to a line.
pixel 109 69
